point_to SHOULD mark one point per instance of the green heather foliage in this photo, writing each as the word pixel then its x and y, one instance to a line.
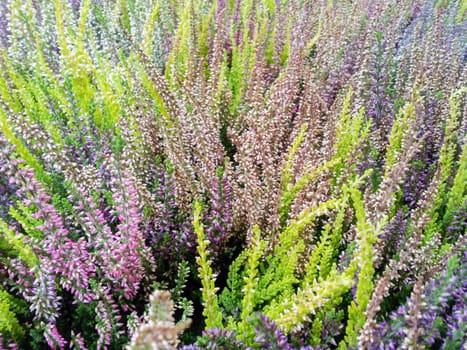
pixel 9 323
pixel 210 303
pixel 450 193
pixel 366 237
pixel 233 174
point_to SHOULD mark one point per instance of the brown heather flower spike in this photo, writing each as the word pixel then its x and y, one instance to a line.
pixel 397 266
pixel 416 304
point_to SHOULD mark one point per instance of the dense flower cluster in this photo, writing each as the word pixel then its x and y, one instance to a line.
pixel 233 174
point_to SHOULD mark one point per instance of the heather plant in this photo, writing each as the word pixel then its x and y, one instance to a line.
pixel 286 174
pixel 431 315
pixel 158 331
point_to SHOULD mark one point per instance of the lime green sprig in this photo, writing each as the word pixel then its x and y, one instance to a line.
pixel 448 149
pixel 24 216
pixel 251 280
pixel 292 312
pixel 29 97
pixel 19 25
pixel 401 124
pixel 9 324
pixel 462 10
pixel 352 130
pixel 203 31
pixel 149 28
pixel 313 270
pixel 22 150
pixel 154 93
pixel 457 195
pixel 78 68
pixel 9 97
pixel 178 58
pixel 15 242
pixel 366 237
pixel 279 278
pixel 446 164
pixel 321 259
pixel 457 192
pixel 60 27
pixel 317 328
pixel 343 139
pixel 232 296
pixel 209 291
pixel 332 245
pixel 289 160
pixel 292 191
pixel 243 58
pixel 311 44
pixel 85 8
pixel 124 14
pixel 285 54
pixel 109 90
pixel 24 96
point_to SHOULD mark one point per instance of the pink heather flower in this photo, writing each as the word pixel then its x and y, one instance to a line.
pixel 77 341
pixel 53 338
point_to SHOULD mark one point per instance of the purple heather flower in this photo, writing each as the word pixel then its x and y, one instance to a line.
pixel 458 224
pixel 218 221
pixel 337 77
pixel 393 236
pixel 8 188
pixel 442 315
pixel 217 339
pixel 4 23
pixel 169 232
pixel 423 165
pixel 268 336
pixel 7 344
pixel 43 297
